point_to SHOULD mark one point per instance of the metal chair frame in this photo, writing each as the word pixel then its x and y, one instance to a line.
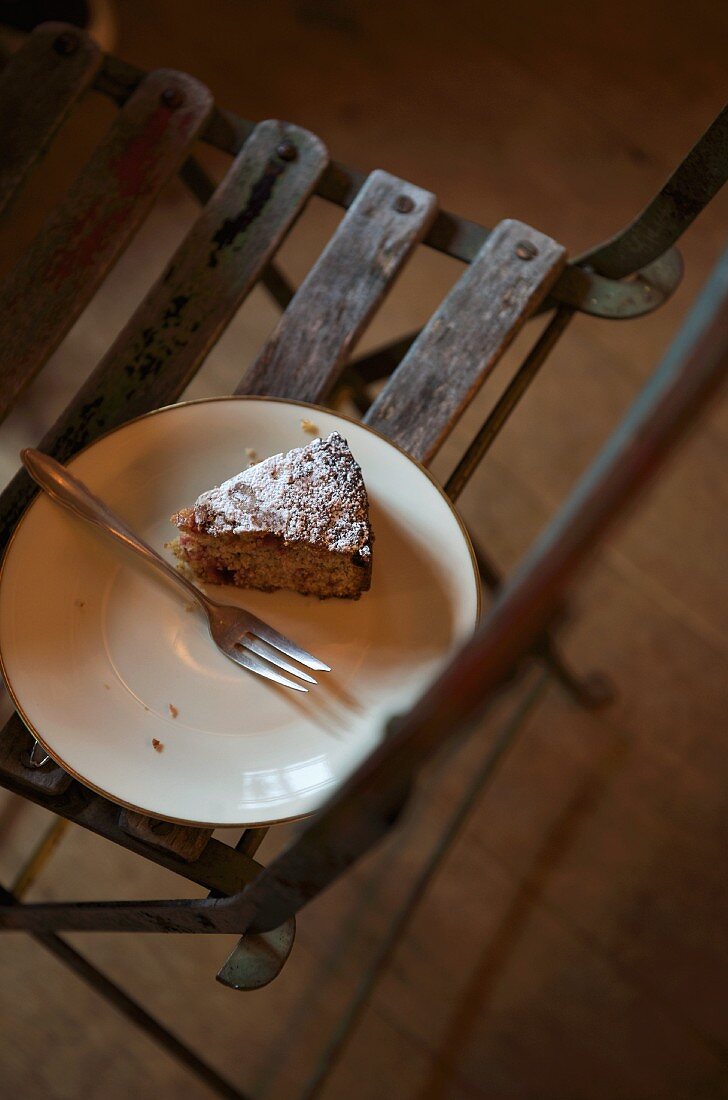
pixel 513 273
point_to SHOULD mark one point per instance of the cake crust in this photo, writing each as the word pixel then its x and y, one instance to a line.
pixel 298 520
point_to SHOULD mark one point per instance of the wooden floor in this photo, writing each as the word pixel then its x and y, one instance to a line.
pixel 573 943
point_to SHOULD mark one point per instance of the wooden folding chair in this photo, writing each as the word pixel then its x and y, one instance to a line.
pixel 513 272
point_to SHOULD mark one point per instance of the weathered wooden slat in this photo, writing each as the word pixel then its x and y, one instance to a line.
pixel 187 843
pixel 213 270
pixel 56 278
pixel 351 277
pixel 463 341
pixel 38 87
pixel 207 279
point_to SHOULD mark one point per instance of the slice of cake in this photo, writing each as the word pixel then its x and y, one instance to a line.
pixel 298 520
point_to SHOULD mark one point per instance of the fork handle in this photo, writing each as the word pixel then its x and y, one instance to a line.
pixel 63 487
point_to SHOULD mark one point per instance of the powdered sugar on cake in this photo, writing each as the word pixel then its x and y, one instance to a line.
pixel 314 493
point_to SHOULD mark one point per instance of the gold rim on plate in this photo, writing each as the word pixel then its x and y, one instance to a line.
pixel 146 416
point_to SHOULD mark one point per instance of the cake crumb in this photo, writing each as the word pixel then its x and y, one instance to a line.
pixel 157 745
pixel 146 708
pixel 189 607
pixel 79 603
pixel 183 568
pixel 173 710
pixel 309 426
pixel 252 455
pixel 108 688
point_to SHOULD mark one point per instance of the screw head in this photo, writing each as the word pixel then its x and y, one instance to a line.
pixel 526 251
pixel 172 98
pixel 403 204
pixel 287 151
pixel 66 44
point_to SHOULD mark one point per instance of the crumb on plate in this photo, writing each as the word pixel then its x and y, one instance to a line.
pixel 189 607
pixel 309 426
pixel 252 455
pixel 79 603
pixel 108 687
pixel 173 710
pixel 157 745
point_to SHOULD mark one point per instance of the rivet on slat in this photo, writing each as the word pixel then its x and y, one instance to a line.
pixel 526 251
pixel 287 150
pixel 66 44
pixel 172 98
pixel 403 204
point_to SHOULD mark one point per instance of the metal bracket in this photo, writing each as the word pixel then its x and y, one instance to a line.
pixel 620 300
pixel 697 179
pixel 258 958
pixel 35 756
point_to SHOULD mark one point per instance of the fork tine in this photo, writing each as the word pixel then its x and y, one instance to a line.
pixel 274 656
pixel 254 664
pixel 278 641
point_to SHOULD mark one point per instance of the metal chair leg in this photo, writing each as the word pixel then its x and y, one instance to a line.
pixel 98 981
pixel 591 690
pixel 38 858
pixel 132 1010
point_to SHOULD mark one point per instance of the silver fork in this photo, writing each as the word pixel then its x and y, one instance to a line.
pixel 241 636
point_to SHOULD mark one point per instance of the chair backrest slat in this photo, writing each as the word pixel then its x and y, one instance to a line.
pixel 461 344
pixel 55 280
pixel 313 339
pixel 38 87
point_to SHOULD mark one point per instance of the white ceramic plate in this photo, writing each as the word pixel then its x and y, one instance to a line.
pixel 95 647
